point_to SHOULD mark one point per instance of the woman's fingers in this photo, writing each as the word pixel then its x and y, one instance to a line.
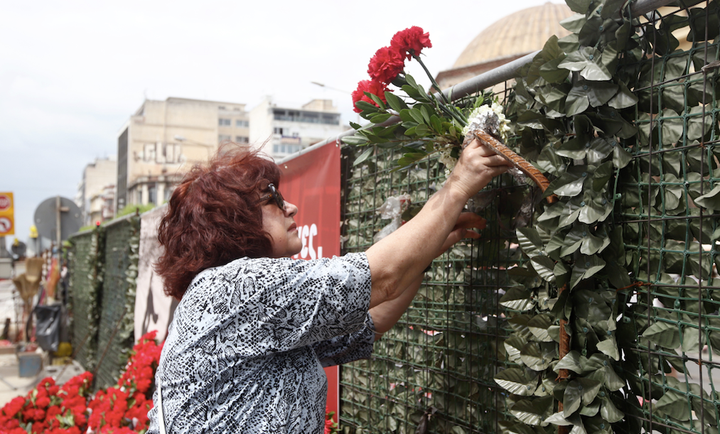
pixel 470 220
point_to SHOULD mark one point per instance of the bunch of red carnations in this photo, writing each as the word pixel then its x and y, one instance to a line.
pixel 389 62
pixel 71 409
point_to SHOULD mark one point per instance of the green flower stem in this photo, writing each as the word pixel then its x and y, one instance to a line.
pixel 432 80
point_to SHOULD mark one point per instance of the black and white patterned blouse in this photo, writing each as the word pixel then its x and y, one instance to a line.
pixel 245 350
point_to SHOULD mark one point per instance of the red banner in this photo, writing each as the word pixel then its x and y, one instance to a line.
pixel 312 182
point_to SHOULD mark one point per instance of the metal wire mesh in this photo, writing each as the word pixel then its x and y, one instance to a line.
pixel 439 361
pixel 118 298
pixel 85 268
pixel 435 368
pixel 671 243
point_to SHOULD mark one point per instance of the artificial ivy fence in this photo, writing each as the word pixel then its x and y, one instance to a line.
pixel 103 273
pixel 607 317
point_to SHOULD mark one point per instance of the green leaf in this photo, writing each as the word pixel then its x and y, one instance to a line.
pixel 533 412
pixel 602 175
pixel 355 140
pixel 536 357
pixel 609 348
pixel 557 419
pixel 417 115
pixel 364 156
pixel 530 241
pixel 572 398
pixel 609 412
pixel 569 185
pixel 376 99
pixel 517 381
pixel 395 102
pixel 672 127
pixel 366 107
pixel 579 6
pixel 380 118
pixel 572 361
pixel 710 200
pixel 544 267
pixel 590 389
pixel 624 98
pixel 539 326
pixel 552 73
pixel 674 405
pixel 574 23
pixel 513 345
pixel 585 267
pixel 599 92
pixel 621 157
pixel 517 298
pixel 577 101
pixel 664 334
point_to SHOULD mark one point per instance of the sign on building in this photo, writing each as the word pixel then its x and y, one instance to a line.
pixel 7 214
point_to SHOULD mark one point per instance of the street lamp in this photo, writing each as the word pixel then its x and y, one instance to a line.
pixel 328 87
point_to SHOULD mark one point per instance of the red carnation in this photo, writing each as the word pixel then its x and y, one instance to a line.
pixel 369 86
pixel 410 42
pixel 385 65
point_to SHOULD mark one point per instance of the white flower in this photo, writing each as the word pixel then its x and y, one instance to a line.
pixel 504 124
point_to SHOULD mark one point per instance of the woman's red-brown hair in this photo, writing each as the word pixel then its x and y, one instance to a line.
pixel 214 217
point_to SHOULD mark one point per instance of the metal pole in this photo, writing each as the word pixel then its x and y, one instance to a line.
pixel 57 220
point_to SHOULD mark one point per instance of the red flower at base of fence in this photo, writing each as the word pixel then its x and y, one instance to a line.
pixel 70 409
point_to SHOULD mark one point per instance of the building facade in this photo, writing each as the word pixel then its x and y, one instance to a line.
pixel 162 141
pixel 282 131
pixel 98 180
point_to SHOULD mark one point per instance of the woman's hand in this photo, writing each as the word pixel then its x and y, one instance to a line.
pixel 477 166
pixel 463 229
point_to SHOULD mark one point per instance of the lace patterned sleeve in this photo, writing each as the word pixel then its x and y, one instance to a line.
pixel 347 348
pixel 272 305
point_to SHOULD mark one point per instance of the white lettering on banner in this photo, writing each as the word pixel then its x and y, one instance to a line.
pixel 307 233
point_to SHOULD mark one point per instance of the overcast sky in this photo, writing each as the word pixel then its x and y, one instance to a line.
pixel 72 72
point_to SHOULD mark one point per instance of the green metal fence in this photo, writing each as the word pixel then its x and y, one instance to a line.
pixel 103 272
pixel 115 337
pixel 435 368
pixel 669 207
pixel 86 273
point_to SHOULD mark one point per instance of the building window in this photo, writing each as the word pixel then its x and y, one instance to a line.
pixel 278 130
pixel 221 107
pixel 286 149
pixel 224 122
pixel 241 139
pixel 224 138
pixel 242 123
pixel 152 194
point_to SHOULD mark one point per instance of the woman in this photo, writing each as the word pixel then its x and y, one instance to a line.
pixel 253 327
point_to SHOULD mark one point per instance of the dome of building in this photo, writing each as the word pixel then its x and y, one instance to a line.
pixel 520 33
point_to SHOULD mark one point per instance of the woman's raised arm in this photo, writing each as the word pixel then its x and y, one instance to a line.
pixel 398 259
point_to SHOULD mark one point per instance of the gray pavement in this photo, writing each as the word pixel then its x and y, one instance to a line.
pixel 12 385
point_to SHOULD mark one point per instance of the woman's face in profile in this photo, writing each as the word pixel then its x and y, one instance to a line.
pixel 280 224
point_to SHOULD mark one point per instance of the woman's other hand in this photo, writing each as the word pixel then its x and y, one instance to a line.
pixel 466 222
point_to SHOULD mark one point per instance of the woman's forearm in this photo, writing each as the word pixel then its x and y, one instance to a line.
pixel 386 314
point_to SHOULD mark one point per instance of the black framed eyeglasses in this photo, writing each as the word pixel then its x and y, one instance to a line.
pixel 276 196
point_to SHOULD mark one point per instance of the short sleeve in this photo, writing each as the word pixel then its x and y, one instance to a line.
pixel 347 348
pixel 272 305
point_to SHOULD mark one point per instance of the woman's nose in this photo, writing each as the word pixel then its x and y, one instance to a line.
pixel 290 209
